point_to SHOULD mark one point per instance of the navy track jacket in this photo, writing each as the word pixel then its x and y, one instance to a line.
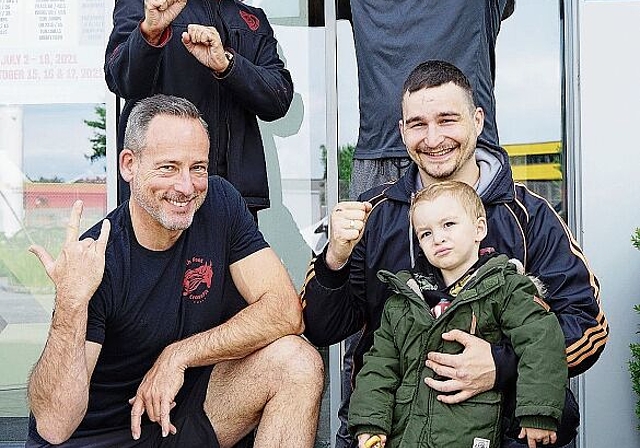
pixel 521 225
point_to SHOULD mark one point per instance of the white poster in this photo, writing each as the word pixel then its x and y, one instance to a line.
pixel 51 51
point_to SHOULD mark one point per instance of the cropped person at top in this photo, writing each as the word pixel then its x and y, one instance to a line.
pixel 222 56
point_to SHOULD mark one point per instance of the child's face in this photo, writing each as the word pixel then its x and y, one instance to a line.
pixel 448 235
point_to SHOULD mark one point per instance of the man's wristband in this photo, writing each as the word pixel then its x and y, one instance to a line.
pixel 230 58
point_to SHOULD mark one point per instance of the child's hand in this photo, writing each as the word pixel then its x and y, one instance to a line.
pixel 535 435
pixel 369 441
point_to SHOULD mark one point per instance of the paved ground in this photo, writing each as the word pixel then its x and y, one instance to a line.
pixel 13 430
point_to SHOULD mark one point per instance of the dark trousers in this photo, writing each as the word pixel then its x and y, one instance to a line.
pixel 343 438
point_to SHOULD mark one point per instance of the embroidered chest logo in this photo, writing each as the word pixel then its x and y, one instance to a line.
pixel 197 280
pixel 252 21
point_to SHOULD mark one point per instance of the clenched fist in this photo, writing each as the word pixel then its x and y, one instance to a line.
pixel 204 43
pixel 158 15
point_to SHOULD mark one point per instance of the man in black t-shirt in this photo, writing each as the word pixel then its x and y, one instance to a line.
pixel 140 351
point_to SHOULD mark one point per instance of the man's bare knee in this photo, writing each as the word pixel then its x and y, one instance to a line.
pixel 299 361
pixel 293 373
pixel 266 389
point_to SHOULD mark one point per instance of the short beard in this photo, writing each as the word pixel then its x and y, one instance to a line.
pixel 147 204
pixel 449 173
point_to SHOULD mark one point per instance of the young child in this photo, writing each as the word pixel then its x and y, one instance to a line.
pixel 482 294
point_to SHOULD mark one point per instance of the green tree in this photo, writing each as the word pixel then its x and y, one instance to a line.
pixel 345 165
pixel 99 139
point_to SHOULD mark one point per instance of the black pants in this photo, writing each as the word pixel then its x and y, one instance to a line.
pixel 343 438
pixel 194 428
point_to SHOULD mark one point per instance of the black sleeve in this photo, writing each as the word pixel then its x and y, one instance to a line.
pixel 573 291
pixel 131 63
pixel 506 363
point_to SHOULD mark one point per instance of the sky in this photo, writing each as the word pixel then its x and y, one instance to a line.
pixel 56 141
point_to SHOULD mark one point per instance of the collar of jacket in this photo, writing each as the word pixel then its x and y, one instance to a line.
pixel 403 283
pixel 486 279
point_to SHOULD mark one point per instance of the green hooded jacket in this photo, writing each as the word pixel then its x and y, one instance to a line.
pixel 496 302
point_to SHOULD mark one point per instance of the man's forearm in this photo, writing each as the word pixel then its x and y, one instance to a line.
pixel 572 288
pixel 130 66
pixel 58 388
pixel 266 91
pixel 251 329
pixel 506 362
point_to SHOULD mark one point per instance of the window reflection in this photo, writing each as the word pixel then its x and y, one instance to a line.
pixel 46 164
pixel 296 160
pixel 539 166
pixel 51 72
pixel 528 97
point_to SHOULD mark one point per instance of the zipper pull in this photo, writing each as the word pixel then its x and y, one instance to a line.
pixel 474 323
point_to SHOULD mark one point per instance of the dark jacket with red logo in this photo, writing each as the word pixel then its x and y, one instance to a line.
pixel 258 85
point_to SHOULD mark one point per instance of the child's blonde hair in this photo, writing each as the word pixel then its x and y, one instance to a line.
pixel 459 191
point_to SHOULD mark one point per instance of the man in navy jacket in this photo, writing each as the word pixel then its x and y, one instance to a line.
pixel 440 125
pixel 222 56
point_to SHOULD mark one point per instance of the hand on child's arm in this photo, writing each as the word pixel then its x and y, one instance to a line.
pixel 471 372
pixel 371 441
pixel 535 435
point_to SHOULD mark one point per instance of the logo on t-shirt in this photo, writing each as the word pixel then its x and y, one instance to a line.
pixel 197 280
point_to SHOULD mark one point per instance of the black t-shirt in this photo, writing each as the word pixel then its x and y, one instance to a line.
pixel 148 299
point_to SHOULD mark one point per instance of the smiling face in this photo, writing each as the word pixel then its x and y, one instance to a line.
pixel 449 235
pixel 440 127
pixel 168 178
